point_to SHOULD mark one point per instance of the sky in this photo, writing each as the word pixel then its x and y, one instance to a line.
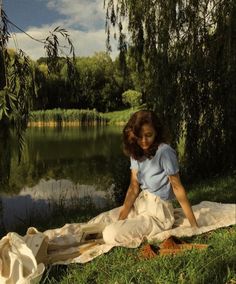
pixel 83 19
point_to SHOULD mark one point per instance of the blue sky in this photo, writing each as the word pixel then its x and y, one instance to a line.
pixel 83 19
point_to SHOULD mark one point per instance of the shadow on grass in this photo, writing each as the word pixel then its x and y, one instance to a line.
pixel 220 189
pixel 54 274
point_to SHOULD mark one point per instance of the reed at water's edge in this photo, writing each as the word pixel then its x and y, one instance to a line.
pixel 78 117
pixel 66 117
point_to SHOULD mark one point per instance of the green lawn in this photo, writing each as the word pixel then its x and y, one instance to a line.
pixel 121 116
pixel 215 265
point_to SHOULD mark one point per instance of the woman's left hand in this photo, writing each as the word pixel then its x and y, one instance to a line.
pixel 181 196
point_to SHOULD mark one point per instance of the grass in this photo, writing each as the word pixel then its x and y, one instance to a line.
pixel 220 189
pixel 215 265
pixel 121 116
pixel 122 265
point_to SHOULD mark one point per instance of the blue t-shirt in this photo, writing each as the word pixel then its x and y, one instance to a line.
pixel 153 173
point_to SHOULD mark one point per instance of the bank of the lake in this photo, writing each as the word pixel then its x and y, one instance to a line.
pixel 215 265
pixel 56 154
pixel 61 170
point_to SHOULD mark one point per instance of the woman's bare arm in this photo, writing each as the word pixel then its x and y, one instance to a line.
pixel 131 195
pixel 182 198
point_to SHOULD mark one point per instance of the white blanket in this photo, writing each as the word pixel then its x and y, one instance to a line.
pixel 23 259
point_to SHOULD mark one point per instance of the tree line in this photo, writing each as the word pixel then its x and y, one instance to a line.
pixel 98 84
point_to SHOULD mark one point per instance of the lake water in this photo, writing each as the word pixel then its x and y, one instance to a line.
pixel 61 165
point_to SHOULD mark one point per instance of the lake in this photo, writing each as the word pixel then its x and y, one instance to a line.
pixel 68 165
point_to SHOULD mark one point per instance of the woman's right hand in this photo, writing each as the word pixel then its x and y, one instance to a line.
pixel 131 195
pixel 124 212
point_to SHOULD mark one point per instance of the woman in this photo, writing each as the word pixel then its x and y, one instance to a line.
pixel 154 170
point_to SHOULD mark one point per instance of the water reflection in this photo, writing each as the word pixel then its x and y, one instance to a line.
pixel 40 201
pixel 60 165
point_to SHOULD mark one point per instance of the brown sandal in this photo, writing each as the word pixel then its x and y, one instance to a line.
pixel 172 245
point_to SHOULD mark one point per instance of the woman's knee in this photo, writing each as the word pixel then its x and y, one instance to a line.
pixel 110 234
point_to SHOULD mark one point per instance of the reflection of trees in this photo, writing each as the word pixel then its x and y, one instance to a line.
pixel 95 170
pixel 86 156
pixel 120 173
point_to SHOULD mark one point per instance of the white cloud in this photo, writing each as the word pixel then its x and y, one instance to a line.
pixel 89 15
pixel 85 43
pixel 85 22
pixel 32 48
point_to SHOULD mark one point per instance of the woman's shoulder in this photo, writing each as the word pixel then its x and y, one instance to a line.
pixel 164 147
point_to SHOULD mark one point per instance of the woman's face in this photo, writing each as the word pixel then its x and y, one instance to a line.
pixel 146 136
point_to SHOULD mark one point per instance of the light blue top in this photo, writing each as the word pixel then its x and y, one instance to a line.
pixel 153 173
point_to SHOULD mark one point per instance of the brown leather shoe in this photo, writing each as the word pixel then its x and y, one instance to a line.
pixel 173 245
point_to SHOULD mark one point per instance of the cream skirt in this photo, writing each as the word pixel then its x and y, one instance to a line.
pixel 148 216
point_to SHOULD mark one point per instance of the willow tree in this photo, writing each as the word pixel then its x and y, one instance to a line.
pixel 18 86
pixel 186 52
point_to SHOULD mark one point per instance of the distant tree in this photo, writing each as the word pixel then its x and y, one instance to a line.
pixel 132 98
pixel 99 88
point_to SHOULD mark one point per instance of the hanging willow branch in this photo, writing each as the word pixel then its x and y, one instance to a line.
pixel 17 81
pixel 53 48
pixel 185 52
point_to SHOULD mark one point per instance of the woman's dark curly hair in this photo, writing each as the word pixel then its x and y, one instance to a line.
pixel 132 130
